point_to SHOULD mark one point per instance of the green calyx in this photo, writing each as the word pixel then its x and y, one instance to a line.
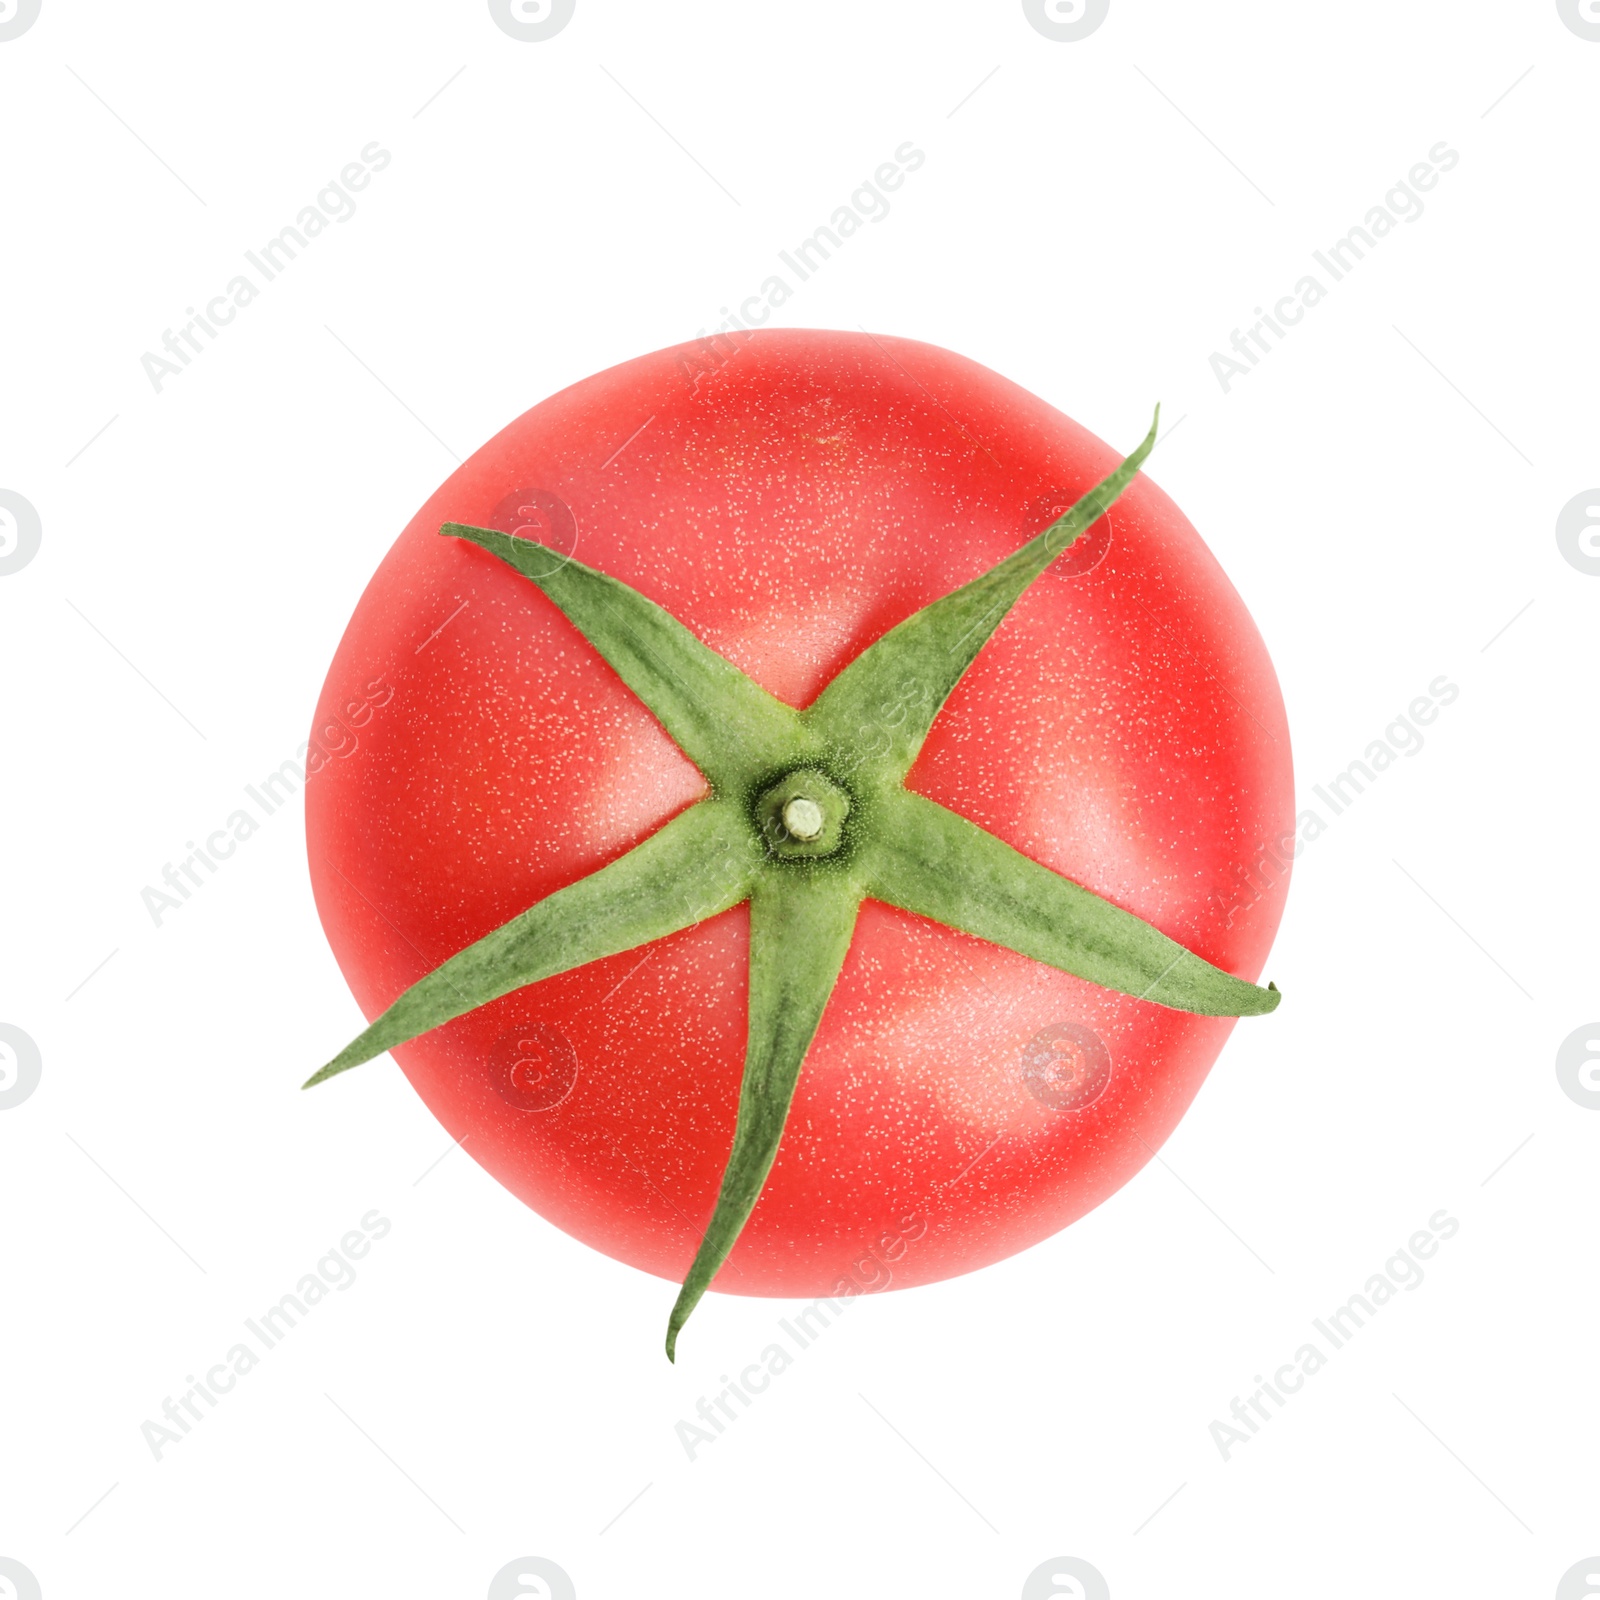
pixel 808 816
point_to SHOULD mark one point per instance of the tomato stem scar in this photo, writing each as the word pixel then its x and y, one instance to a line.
pixel 803 818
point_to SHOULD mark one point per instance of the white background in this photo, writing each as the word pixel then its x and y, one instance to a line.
pixel 1383 490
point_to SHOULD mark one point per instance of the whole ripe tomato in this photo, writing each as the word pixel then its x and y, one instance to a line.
pixel 791 497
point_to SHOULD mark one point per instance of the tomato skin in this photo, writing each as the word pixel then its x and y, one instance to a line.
pixel 1124 727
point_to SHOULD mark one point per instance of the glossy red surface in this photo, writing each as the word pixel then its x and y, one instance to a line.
pixel 1124 727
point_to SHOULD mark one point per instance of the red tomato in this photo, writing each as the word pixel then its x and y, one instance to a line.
pixel 790 500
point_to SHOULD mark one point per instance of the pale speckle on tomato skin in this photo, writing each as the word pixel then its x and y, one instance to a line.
pixel 1123 727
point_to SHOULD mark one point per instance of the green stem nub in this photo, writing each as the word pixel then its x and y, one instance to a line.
pixel 802 816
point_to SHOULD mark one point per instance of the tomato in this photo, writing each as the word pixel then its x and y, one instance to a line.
pixel 790 497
